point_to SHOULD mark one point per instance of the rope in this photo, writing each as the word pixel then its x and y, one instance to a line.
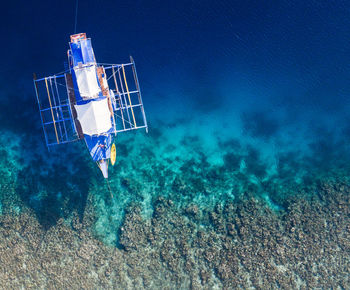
pixel 109 188
pixel 76 16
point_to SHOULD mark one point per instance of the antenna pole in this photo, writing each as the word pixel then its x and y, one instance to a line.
pixel 76 16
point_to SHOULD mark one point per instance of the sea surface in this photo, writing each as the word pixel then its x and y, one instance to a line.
pixel 243 178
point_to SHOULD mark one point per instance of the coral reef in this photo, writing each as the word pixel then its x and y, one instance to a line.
pixel 241 244
pixel 183 214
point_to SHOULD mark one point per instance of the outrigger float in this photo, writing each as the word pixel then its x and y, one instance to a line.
pixel 90 101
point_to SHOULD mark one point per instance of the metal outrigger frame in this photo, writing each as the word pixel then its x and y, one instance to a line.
pixel 124 106
pixel 56 106
pixel 59 109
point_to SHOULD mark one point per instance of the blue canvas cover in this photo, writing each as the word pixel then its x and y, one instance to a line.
pixel 87 51
pixel 99 146
pixel 82 52
pixel 77 55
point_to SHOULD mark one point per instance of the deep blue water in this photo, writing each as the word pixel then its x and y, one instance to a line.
pixel 244 96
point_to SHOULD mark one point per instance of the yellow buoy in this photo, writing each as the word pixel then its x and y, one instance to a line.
pixel 113 154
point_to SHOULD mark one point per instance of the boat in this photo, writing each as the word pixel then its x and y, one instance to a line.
pixel 90 101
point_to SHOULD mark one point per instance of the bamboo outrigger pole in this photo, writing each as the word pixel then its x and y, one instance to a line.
pixel 127 90
pixel 119 97
pixel 53 118
pixel 39 105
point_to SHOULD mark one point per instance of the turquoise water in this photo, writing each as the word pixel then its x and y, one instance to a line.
pixel 201 160
pixel 189 207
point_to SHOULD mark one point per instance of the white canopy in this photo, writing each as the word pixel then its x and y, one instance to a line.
pixel 87 81
pixel 94 117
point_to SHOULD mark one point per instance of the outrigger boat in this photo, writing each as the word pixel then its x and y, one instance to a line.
pixel 90 101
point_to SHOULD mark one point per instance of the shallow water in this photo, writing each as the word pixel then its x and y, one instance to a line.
pixel 242 180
